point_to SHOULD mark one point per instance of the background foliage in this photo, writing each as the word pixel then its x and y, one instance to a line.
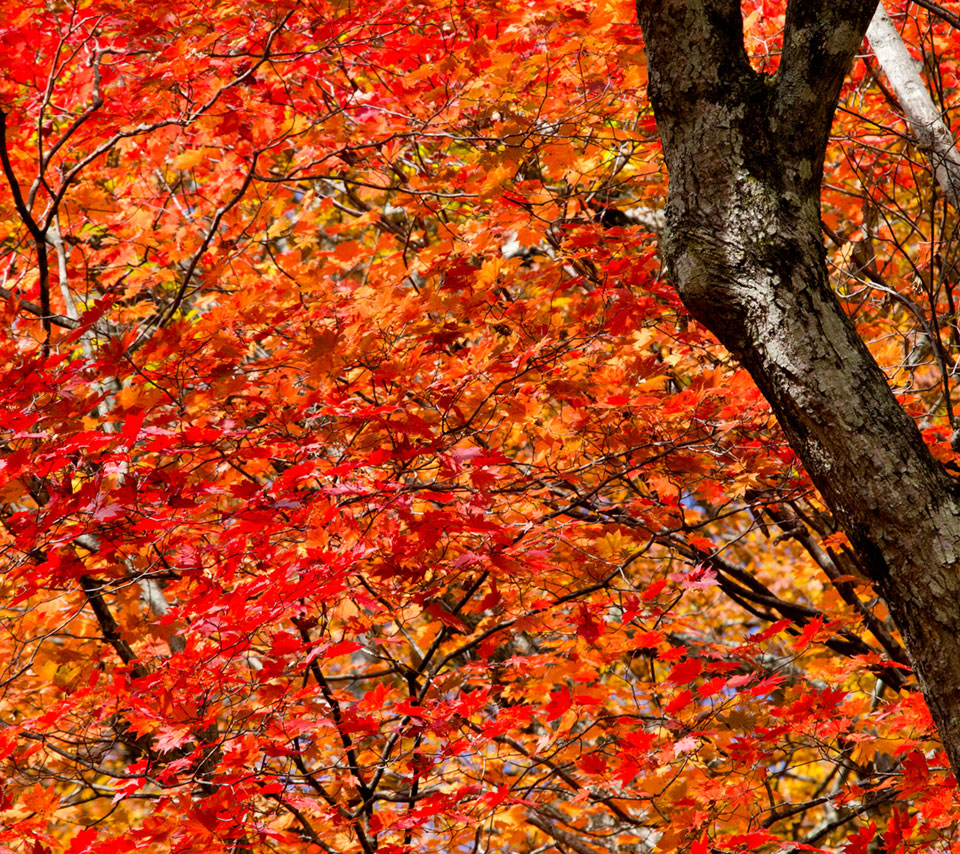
pixel 364 486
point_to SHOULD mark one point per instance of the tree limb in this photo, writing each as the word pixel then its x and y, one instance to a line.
pixel 926 122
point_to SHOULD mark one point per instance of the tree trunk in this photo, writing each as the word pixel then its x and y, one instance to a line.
pixel 743 244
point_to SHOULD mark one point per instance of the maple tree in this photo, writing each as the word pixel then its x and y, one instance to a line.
pixel 366 486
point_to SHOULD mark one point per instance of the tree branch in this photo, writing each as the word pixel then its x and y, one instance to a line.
pixel 564 837
pixel 820 41
pixel 93 590
pixel 933 136
pixel 694 47
pixel 38 234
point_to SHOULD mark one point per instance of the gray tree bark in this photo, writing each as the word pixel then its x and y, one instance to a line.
pixel 743 243
pixel 933 136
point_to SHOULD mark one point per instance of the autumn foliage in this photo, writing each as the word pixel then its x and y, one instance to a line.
pixel 365 486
